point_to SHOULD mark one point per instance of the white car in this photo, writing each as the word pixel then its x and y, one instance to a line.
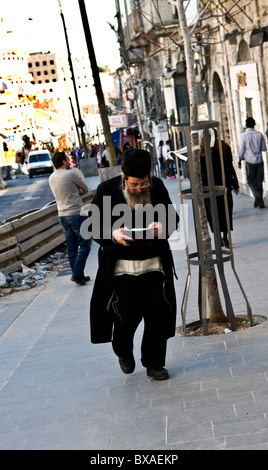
pixel 39 162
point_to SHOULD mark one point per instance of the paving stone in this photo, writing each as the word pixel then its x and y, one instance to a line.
pixel 58 391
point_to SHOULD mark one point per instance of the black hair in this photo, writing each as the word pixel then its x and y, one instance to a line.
pixel 58 159
pixel 250 122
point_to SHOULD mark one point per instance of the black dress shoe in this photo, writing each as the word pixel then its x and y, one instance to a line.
pixel 159 373
pixel 261 204
pixel 86 278
pixel 257 202
pixel 127 364
pixel 78 280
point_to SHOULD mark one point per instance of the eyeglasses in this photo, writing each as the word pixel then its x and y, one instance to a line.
pixel 135 186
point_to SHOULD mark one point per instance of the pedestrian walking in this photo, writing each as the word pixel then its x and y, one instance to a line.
pixel 170 173
pixel 126 146
pixel 67 185
pixel 135 278
pixel 231 183
pixel 118 154
pixel 105 158
pixel 161 159
pixel 251 146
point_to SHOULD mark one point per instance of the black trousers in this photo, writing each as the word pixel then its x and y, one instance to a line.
pixel 255 177
pixel 136 298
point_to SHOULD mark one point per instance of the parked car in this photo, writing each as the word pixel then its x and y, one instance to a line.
pixel 39 162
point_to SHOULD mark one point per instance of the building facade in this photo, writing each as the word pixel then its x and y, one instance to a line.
pixel 43 68
pixel 16 101
pixel 233 43
pixel 230 47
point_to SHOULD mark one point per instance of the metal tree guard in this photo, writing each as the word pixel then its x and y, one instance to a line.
pixel 220 255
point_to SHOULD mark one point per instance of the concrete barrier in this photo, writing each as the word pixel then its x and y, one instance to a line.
pixel 29 237
pixel 109 172
pixel 89 166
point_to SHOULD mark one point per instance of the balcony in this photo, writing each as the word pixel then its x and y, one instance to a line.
pixel 158 17
pixel 146 23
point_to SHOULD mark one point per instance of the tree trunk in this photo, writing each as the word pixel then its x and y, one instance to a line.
pixel 216 313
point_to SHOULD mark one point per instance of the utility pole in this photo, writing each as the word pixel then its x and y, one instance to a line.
pixel 80 120
pixel 71 105
pixel 97 83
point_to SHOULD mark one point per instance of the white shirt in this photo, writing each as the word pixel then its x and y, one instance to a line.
pixel 166 148
pixel 105 155
pixel 65 185
pixel 251 146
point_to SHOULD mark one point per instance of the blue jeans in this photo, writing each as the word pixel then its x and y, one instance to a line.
pixel 77 247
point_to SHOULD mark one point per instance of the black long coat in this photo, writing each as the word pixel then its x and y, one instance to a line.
pixel 230 180
pixel 101 318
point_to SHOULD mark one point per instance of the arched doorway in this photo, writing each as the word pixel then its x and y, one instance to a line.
pixel 219 105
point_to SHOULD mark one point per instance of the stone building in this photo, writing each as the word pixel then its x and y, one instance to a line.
pixel 16 106
pixel 153 53
pixel 232 42
pixel 230 47
pixel 43 67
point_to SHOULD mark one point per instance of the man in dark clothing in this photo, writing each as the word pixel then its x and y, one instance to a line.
pixel 231 183
pixel 135 275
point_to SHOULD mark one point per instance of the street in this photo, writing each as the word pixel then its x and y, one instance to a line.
pixel 24 194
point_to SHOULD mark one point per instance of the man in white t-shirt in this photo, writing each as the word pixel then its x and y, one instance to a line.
pixel 67 185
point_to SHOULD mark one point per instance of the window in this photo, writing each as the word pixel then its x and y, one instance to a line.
pixel 243 52
pixel 39 158
pixel 37 64
pixel 44 62
pixel 51 62
pixel 249 110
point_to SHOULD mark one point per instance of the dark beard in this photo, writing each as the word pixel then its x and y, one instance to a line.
pixel 132 198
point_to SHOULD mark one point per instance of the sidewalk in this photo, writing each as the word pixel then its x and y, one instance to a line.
pixel 59 391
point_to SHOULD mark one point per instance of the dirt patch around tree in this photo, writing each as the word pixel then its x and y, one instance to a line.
pixel 241 323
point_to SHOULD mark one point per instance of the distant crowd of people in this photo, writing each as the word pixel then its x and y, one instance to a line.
pixel 98 151
pixel 166 160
